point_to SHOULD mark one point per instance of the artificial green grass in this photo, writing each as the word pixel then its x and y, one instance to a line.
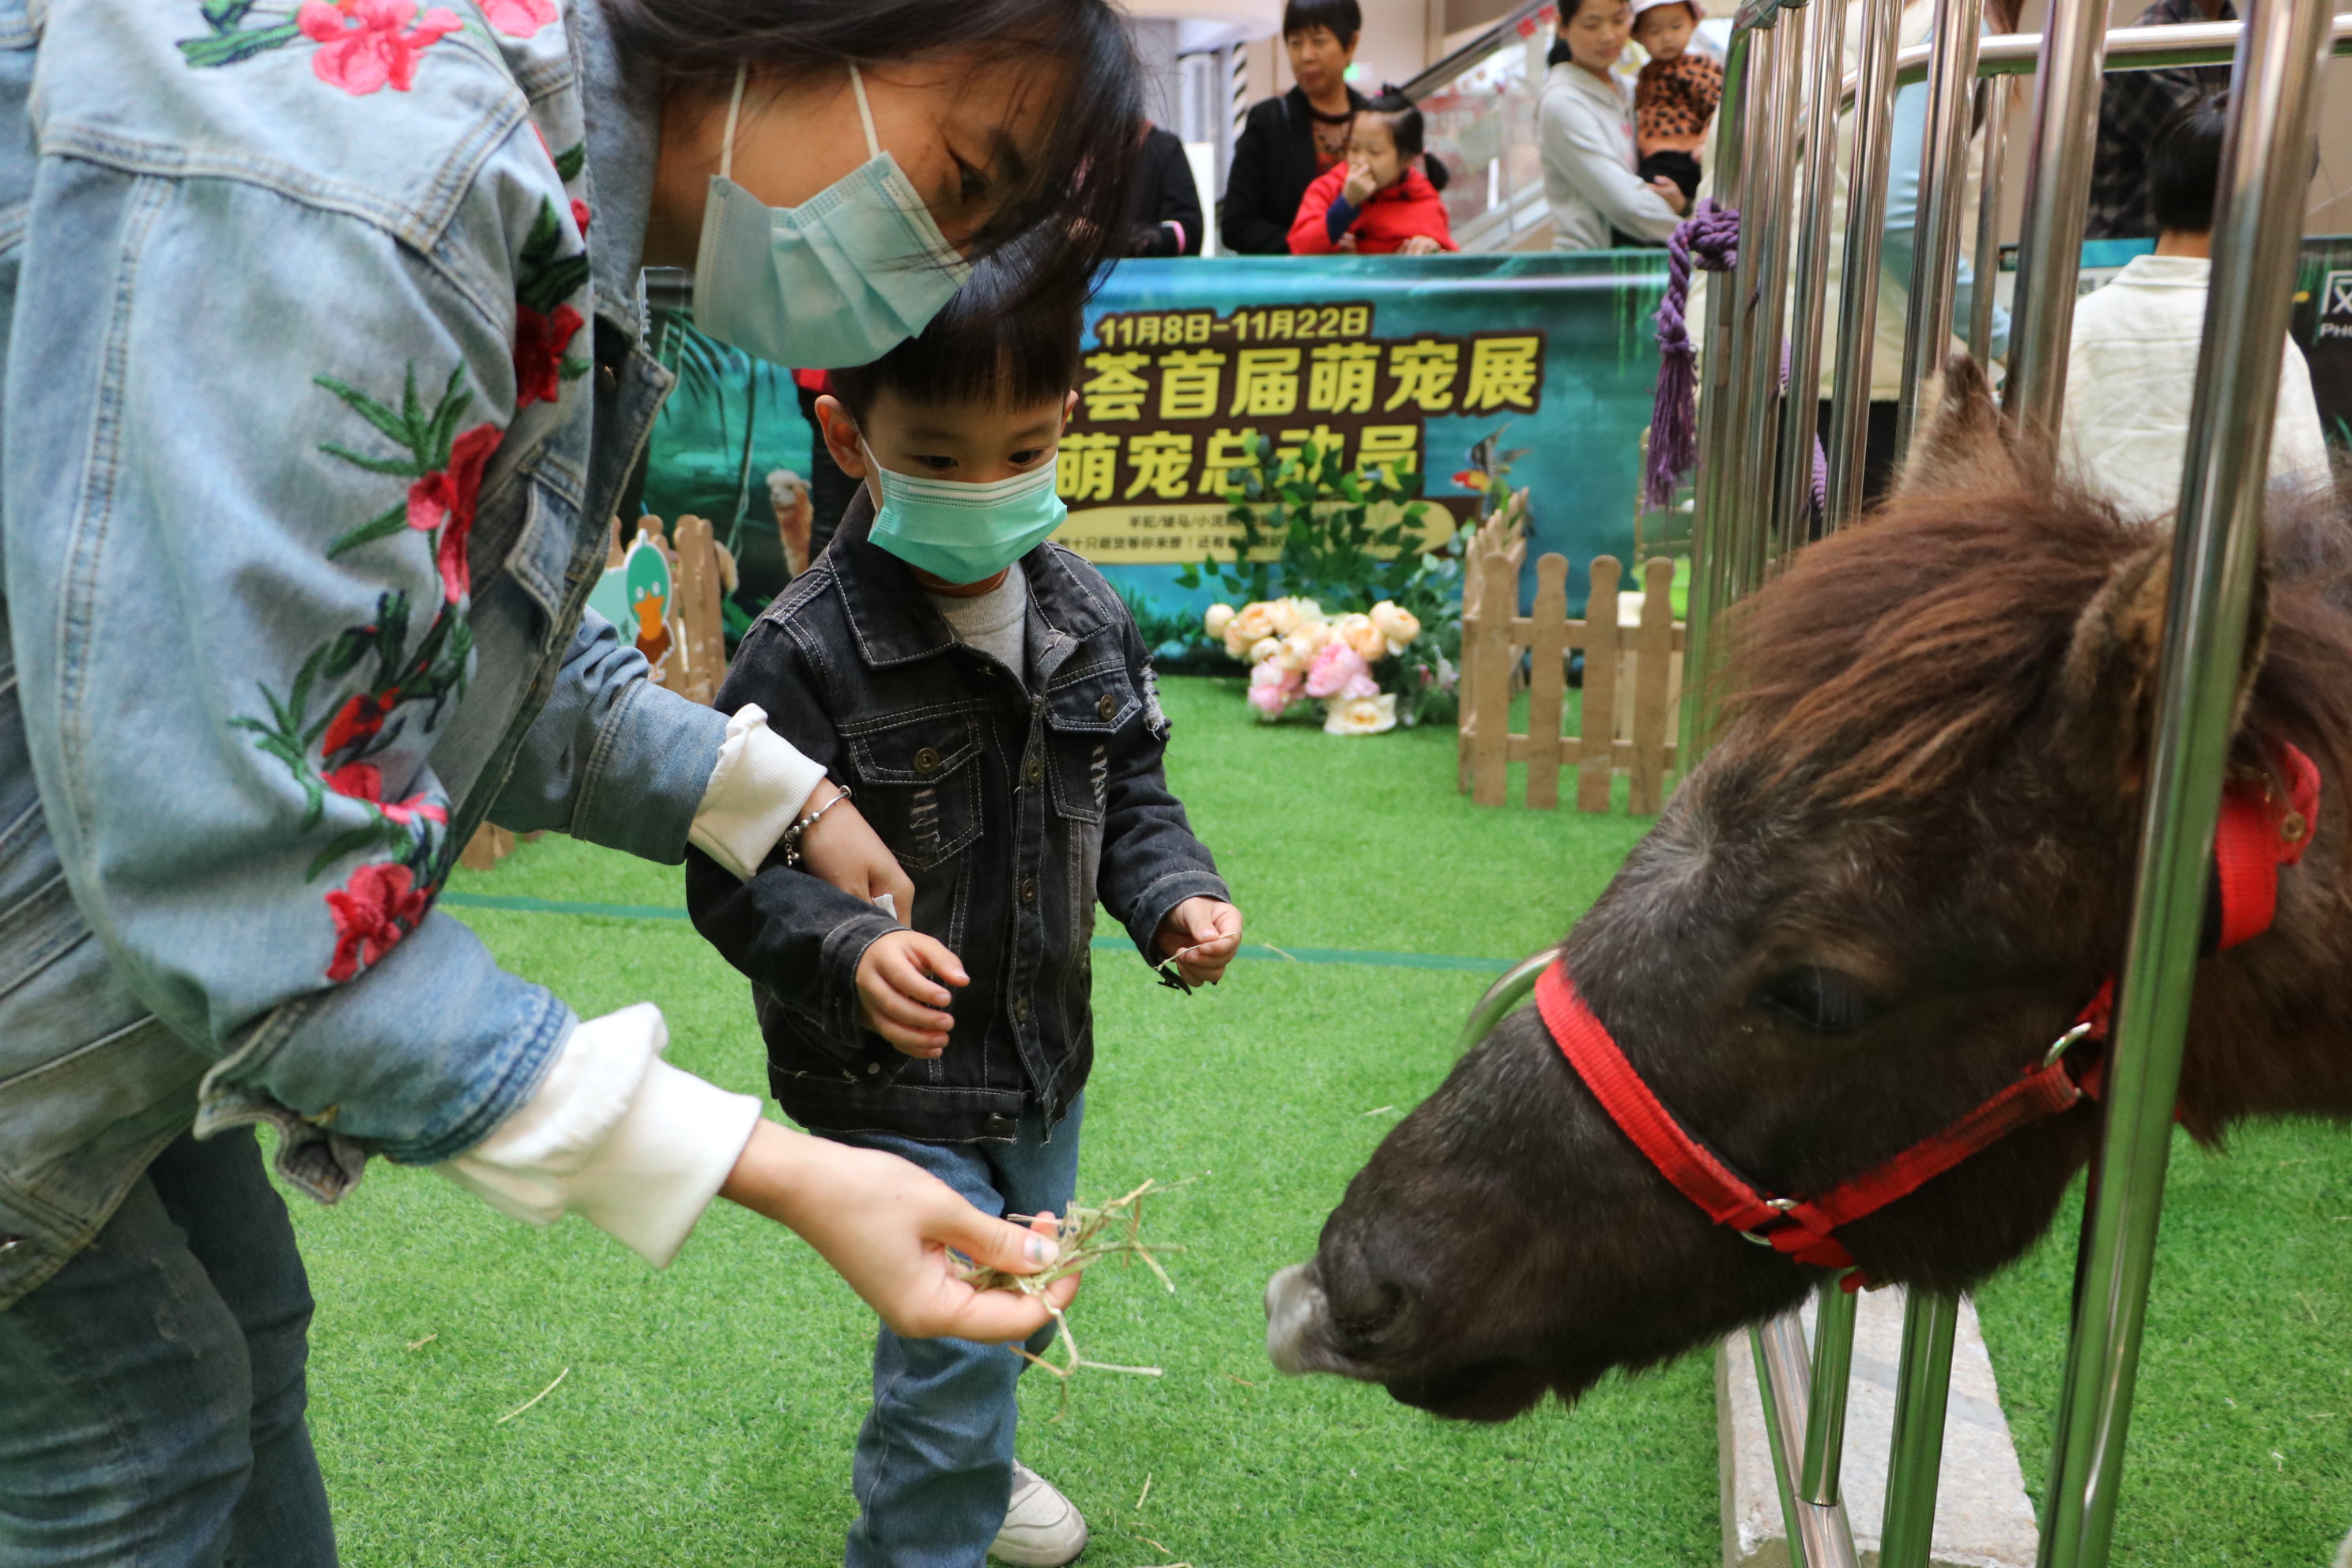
pixel 710 1410
pixel 708 1413
pixel 2241 1444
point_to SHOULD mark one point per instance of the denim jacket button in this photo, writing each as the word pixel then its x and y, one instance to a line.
pixel 1035 772
pixel 608 380
pixel 926 760
pixel 999 1125
pixel 1028 889
pixel 1108 706
pixel 1021 1008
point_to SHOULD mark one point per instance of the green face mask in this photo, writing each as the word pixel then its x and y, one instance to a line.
pixel 962 532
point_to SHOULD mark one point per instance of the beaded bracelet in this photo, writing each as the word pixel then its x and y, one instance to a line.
pixel 799 830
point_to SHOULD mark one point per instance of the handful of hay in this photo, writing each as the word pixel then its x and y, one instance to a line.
pixel 1086 1236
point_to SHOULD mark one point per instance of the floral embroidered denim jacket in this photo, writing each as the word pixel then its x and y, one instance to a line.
pixel 322 376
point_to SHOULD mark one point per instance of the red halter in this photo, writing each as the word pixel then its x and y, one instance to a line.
pixel 2259 832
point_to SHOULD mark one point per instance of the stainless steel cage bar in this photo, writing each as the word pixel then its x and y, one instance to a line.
pixel 2216 550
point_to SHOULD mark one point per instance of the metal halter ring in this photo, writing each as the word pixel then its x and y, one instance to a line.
pixel 2067 1042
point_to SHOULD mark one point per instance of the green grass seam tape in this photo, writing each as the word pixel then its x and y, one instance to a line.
pixel 520 905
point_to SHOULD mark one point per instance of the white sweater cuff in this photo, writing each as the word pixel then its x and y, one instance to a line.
pixel 616 1135
pixel 757 789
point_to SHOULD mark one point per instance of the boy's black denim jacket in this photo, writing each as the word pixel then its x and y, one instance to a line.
pixel 1013 803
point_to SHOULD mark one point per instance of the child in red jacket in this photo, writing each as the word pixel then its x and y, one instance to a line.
pixel 1377 203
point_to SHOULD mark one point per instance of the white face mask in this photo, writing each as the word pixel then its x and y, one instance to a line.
pixel 840 280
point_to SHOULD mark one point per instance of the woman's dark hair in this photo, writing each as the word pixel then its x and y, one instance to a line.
pixel 1077 185
pixel 1345 18
pixel 2184 164
pixel 984 346
pixel 1404 120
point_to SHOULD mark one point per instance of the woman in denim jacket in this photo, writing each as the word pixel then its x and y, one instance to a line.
pixel 324 367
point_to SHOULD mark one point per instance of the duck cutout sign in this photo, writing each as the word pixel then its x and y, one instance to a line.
pixel 636 594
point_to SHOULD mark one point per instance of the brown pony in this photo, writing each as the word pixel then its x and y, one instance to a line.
pixel 1903 868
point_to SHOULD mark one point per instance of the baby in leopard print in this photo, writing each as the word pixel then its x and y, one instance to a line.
pixel 1675 95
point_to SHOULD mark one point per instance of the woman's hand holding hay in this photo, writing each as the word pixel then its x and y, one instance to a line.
pixel 895 1232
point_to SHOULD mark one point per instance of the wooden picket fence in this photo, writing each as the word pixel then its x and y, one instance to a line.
pixel 1633 674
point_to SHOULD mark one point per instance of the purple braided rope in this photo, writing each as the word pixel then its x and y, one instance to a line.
pixel 1821 459
pixel 1710 238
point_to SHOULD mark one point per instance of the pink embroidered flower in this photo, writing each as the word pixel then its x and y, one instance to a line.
pixel 358 719
pixel 518 18
pixel 539 346
pixel 368 44
pixel 372 911
pixel 1336 667
pixel 1273 689
pixel 447 500
pixel 364 781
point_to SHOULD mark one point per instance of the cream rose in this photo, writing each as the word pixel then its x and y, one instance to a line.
pixel 1219 617
pixel 1299 651
pixel 1263 650
pixel 1360 715
pixel 1397 625
pixel 1252 622
pixel 1359 633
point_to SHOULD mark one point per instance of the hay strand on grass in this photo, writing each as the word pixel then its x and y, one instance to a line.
pixel 534 1398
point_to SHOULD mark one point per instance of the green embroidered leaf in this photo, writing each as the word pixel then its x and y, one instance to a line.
pixel 297 701
pixel 405 467
pixel 369 409
pixel 442 432
pixel 411 411
pixel 220 16
pixel 377 832
pixel 383 526
pixel 572 369
pixel 546 279
pixel 226 48
pixel 571 161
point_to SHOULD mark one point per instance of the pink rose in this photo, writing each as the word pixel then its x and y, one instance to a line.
pixel 1361 686
pixel 518 18
pixel 1335 668
pixel 367 45
pixel 1272 689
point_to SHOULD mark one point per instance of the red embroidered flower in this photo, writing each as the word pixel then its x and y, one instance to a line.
pixel 580 216
pixel 447 500
pixel 368 44
pixel 358 719
pixel 518 18
pixel 539 346
pixel 372 911
pixel 364 781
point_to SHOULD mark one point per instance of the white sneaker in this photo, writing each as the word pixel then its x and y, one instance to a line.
pixel 1042 1528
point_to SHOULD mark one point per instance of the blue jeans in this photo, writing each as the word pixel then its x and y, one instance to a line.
pixel 934 1464
pixel 152 1391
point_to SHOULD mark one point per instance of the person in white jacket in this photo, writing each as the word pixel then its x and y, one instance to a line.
pixel 2132 374
pixel 1585 132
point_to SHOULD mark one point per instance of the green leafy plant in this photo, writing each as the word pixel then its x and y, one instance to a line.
pixel 1310 527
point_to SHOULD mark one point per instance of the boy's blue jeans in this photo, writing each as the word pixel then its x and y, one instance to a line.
pixel 152 1394
pixel 934 1464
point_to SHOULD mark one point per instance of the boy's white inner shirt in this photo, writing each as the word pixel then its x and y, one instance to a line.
pixel 996 622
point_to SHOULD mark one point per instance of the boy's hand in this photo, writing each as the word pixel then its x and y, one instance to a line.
pixel 1207 933
pixel 1361 185
pixel 843 849
pixel 1418 245
pixel 898 990
pixel 1672 192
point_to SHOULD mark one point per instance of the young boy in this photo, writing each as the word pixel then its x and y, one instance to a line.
pixel 988 701
pixel 1674 96
pixel 2132 372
